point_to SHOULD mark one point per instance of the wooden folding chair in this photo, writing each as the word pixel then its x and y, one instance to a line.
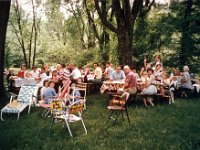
pixel 117 106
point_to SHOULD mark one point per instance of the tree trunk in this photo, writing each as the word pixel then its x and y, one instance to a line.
pixel 4 15
pixel 185 39
pixel 124 47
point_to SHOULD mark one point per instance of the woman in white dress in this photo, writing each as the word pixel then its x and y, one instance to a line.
pixel 150 88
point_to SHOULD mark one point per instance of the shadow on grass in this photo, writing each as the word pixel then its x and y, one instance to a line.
pixel 174 126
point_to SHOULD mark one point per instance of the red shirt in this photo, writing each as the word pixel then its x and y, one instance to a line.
pixel 20 74
pixel 130 80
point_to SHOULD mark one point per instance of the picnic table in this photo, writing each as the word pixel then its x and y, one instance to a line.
pixel 112 86
pixel 18 82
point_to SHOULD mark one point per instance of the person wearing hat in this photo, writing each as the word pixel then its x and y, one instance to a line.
pixel 150 88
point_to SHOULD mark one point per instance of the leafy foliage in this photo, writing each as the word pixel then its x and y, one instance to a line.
pixel 66 34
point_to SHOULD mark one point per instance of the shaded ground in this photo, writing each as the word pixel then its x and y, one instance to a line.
pixel 162 127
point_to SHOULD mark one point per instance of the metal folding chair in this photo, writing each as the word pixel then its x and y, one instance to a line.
pixel 117 106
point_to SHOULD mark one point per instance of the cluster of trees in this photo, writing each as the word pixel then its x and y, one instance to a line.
pixel 120 31
pixel 86 31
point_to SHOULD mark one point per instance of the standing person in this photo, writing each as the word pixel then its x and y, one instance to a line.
pixel 22 72
pixel 49 93
pixel 130 81
pixel 97 73
pixel 117 74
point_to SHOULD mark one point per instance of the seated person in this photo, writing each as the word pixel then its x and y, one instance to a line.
pixel 34 72
pixel 130 81
pixel 108 71
pixel 56 78
pixel 158 72
pixel 43 90
pixel 135 72
pixel 98 73
pixel 42 77
pixel 49 93
pixel 75 74
pixel 73 94
pixel 28 75
pixel 150 88
pixel 117 74
pixel 142 80
pixel 22 72
pixel 186 81
pixel 10 77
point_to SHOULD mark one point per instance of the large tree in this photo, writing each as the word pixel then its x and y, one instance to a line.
pixel 125 13
pixel 4 15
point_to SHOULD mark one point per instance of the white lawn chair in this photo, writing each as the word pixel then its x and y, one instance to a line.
pixel 70 113
pixel 82 88
pixel 24 99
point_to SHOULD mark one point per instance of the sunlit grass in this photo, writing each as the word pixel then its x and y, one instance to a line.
pixel 162 127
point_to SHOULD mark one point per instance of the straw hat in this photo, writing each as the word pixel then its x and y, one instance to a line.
pixel 14 104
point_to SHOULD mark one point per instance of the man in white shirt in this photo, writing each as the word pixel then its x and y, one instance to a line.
pixel 75 74
pixel 97 72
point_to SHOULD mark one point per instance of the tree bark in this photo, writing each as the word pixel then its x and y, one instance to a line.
pixel 4 15
pixel 19 32
pixel 185 39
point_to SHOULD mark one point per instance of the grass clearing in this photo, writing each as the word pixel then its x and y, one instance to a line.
pixel 174 126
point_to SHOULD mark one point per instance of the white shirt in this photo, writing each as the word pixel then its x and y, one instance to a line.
pixel 43 77
pixel 98 73
pixel 75 73
pixel 34 74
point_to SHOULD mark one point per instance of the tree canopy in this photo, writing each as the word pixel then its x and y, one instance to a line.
pixel 121 31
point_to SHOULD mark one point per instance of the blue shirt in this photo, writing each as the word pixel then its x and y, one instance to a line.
pixel 49 94
pixel 76 95
pixel 117 76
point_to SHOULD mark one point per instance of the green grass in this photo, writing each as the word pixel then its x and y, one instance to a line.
pixel 174 126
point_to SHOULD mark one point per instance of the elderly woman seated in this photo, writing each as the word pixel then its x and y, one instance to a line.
pixel 186 84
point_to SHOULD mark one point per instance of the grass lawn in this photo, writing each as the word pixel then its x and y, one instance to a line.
pixel 174 126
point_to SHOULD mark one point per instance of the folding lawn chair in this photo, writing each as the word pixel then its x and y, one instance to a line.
pixel 82 88
pixel 24 99
pixel 69 114
pixel 117 106
pixel 61 96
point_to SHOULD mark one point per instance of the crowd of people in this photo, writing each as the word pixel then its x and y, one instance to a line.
pixel 153 78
